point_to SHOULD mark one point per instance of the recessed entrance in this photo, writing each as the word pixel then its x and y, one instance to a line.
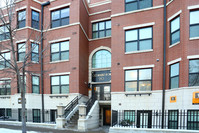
pixel 107 116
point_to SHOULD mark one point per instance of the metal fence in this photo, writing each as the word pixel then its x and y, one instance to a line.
pixel 173 119
pixel 32 115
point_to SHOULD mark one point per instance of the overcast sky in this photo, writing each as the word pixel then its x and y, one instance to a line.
pixel 3 2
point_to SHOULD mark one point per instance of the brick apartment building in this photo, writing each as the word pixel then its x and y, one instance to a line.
pixel 113 50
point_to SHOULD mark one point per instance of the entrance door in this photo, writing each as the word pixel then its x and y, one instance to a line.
pixel 53 115
pixel 102 92
pixel 107 116
pixel 144 119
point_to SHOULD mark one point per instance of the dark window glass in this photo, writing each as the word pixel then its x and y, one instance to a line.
pixel 20 114
pixel 138 80
pixel 5 88
pixel 175 31
pixel 35 19
pixel 60 84
pixel 9 113
pixel 131 5
pixel 21 19
pixel 36 115
pixel 60 51
pixel 60 17
pixel 4 33
pixel 35 52
pixel 173 119
pixel 194 24
pixel 174 76
pixel 194 73
pixel 193 119
pixel 138 39
pixel 21 51
pixel 35 84
pixel 4 63
pixel 102 29
pixel 101 59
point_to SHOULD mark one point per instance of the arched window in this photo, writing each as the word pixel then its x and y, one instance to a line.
pixel 101 59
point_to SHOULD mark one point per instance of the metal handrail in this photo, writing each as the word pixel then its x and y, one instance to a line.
pixel 71 106
pixel 90 103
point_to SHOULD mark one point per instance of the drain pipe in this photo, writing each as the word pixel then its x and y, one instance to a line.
pixel 42 71
pixel 164 64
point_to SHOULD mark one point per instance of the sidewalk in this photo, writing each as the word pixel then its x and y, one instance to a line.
pixel 4 127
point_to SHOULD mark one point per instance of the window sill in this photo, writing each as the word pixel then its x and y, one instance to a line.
pixel 63 26
pixel 5 40
pixel 53 62
pixel 99 38
pixel 34 62
pixel 193 38
pixel 174 44
pixel 136 52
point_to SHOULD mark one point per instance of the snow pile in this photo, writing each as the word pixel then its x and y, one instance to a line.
pixel 4 130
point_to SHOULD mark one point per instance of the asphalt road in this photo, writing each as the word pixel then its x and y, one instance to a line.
pixel 49 130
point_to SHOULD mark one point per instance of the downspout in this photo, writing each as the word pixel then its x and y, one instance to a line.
pixel 42 72
pixel 164 63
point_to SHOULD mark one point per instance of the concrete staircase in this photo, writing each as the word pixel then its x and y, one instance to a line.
pixel 72 123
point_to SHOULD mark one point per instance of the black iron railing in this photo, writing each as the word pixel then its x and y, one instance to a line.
pixel 173 119
pixel 71 106
pixel 90 103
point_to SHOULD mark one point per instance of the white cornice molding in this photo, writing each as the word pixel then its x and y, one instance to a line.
pixel 60 40
pixel 138 26
pixel 57 74
pixel 174 61
pixel 99 3
pixel 33 8
pixel 61 6
pixel 138 67
pixel 193 57
pixel 193 7
pixel 174 15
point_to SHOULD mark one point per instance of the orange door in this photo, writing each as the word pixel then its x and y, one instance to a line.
pixel 107 116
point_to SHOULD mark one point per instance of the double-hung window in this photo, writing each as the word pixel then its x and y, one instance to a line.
pixel 35 52
pixel 4 33
pixel 60 17
pixel 174 76
pixel 4 60
pixel 194 72
pixel 131 5
pixel 60 84
pixel 36 115
pixel 139 39
pixel 21 48
pixel 35 19
pixel 21 19
pixel 5 88
pixel 194 24
pixel 138 80
pixel 175 31
pixel 193 119
pixel 173 119
pixel 60 51
pixel 35 84
pixel 101 29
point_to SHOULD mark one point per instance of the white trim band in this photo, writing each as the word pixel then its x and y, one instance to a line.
pixel 61 6
pixel 175 15
pixel 33 8
pixel 22 8
pixel 99 3
pixel 56 74
pixel 138 26
pixel 138 67
pixel 20 41
pixel 98 20
pixel 193 7
pixel 193 57
pixel 59 40
pixel 174 61
pixel 105 11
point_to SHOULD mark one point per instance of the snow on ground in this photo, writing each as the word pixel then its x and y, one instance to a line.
pixel 4 130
